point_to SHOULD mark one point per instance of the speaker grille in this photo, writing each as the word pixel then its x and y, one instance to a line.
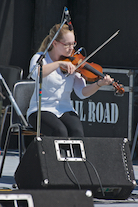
pixel 107 170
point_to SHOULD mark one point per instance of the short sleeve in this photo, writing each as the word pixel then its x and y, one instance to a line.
pixel 33 66
pixel 79 84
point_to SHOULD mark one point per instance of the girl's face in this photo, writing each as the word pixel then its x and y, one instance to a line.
pixel 66 45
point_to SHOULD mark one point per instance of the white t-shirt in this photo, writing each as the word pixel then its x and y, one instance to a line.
pixel 56 89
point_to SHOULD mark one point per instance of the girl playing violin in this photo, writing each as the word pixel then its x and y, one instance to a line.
pixel 58 117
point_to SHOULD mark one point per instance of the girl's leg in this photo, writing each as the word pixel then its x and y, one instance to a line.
pixel 50 124
pixel 73 124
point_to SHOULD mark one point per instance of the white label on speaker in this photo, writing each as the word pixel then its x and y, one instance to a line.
pixel 70 150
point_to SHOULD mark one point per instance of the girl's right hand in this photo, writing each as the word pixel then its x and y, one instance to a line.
pixel 67 66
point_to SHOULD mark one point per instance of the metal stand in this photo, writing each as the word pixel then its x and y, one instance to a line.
pixel 39 107
pixel 23 121
pixel 39 63
pixel 19 113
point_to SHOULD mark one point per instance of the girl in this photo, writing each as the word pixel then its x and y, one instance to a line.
pixel 58 117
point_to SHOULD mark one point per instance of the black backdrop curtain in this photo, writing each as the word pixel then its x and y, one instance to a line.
pixel 16 32
pixel 25 23
pixel 6 30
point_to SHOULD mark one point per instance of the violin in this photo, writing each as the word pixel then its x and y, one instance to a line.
pixel 90 71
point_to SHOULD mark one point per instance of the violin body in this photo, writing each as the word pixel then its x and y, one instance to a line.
pixel 85 71
pixel 90 71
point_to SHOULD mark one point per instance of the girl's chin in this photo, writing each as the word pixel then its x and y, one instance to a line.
pixel 69 54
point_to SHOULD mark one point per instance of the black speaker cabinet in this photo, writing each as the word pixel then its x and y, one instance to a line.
pixel 46 198
pixel 102 165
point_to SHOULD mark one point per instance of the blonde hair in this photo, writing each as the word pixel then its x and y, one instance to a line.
pixel 52 33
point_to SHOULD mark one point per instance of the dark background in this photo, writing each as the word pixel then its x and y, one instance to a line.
pixel 25 23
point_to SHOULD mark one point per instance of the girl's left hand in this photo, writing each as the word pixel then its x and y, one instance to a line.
pixel 107 80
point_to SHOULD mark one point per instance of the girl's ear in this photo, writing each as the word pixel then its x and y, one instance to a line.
pixel 54 43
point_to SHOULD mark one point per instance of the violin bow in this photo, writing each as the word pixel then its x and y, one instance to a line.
pixel 119 89
pixel 100 47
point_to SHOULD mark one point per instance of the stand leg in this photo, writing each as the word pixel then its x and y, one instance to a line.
pixel 7 144
pixel 39 108
pixel 5 150
pixel 134 142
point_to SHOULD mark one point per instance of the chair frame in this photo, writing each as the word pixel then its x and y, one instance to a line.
pixel 21 129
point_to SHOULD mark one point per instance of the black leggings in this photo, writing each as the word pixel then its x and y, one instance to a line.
pixel 68 125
